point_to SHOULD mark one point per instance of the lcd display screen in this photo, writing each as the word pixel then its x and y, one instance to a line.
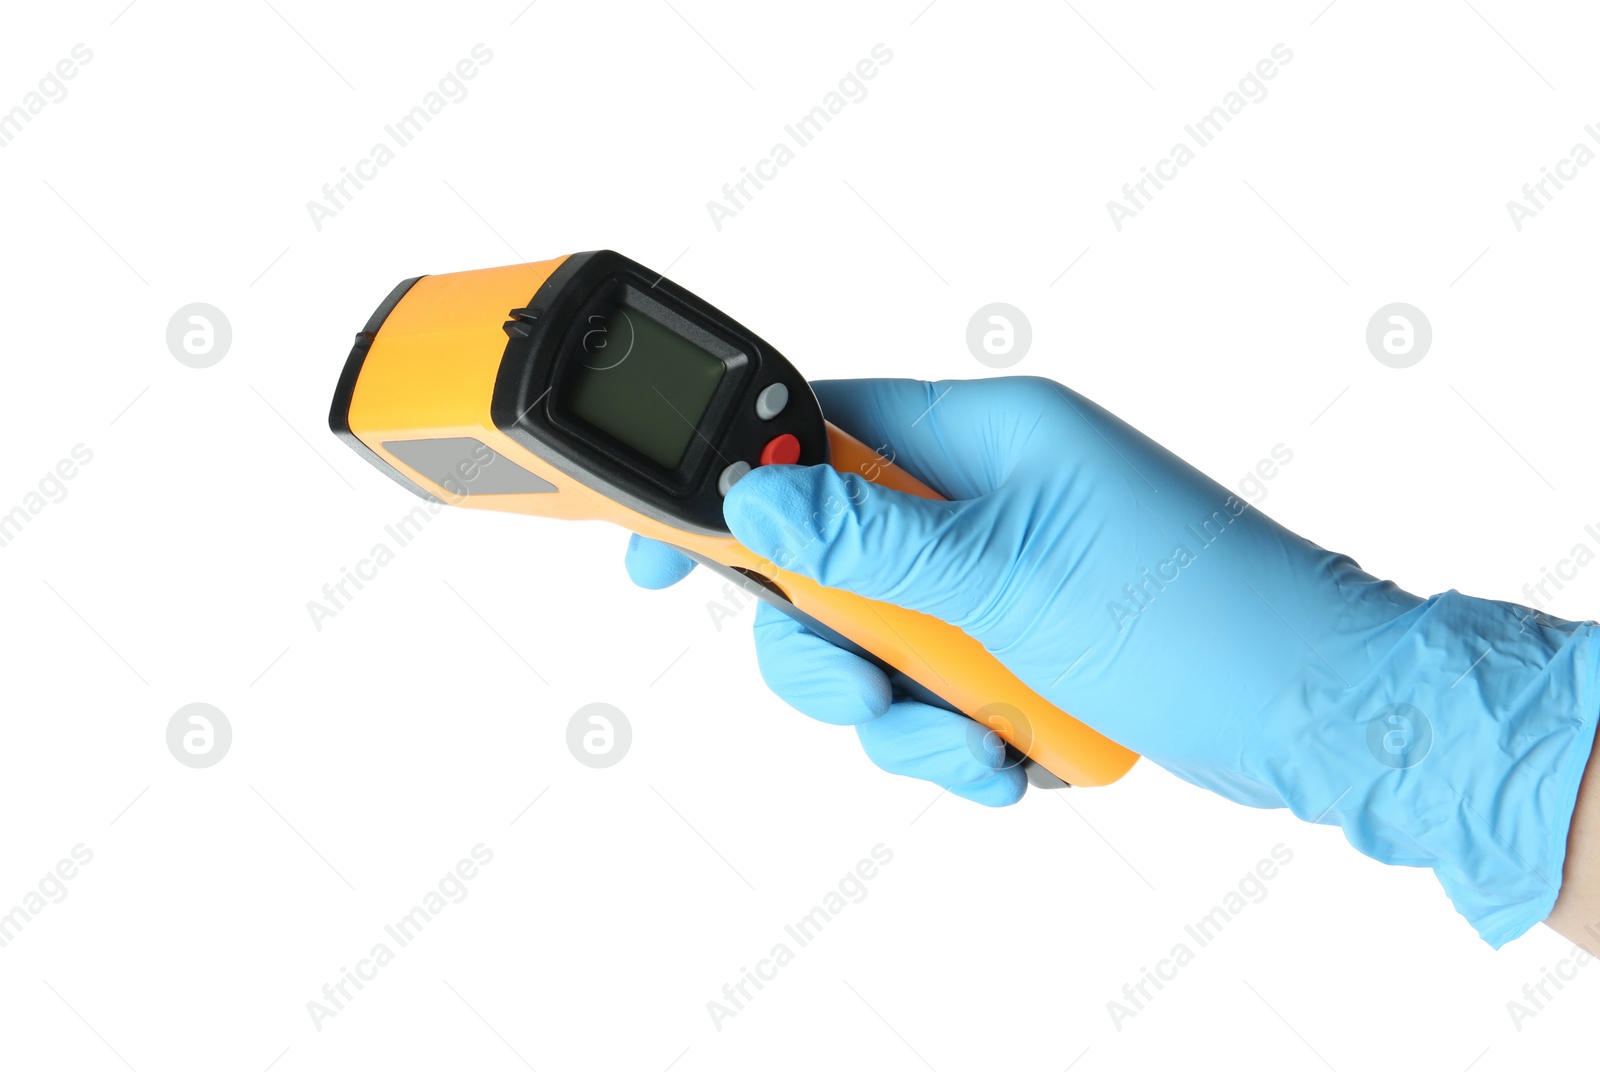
pixel 641 382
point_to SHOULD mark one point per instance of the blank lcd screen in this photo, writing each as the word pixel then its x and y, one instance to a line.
pixel 641 382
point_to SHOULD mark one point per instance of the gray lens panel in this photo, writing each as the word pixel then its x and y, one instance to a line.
pixel 465 466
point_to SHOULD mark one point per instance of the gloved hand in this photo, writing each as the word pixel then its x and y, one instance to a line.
pixel 1139 595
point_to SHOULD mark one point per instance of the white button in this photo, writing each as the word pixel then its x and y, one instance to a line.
pixel 731 476
pixel 770 402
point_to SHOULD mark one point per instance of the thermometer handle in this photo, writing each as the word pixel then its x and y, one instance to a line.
pixel 939 662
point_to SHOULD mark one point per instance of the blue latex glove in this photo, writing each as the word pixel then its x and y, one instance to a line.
pixel 1133 591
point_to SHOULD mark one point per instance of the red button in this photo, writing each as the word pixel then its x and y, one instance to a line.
pixel 784 450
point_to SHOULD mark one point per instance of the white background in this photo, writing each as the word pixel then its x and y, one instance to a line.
pixel 368 757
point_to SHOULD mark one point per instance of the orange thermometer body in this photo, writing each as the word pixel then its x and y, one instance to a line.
pixel 588 387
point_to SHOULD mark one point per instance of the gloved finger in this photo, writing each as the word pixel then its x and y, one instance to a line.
pixel 653 564
pixel 942 558
pixel 815 678
pixel 960 437
pixel 947 749
pixel 904 737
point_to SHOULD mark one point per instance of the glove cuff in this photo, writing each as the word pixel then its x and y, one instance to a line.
pixel 1481 720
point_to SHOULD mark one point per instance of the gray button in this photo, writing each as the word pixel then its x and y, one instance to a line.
pixel 731 476
pixel 770 402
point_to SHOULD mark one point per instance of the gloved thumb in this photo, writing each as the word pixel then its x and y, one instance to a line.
pixel 845 532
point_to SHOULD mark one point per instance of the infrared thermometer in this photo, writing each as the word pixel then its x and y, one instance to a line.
pixel 590 388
